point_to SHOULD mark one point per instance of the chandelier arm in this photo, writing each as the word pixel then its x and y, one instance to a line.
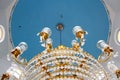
pixel 104 60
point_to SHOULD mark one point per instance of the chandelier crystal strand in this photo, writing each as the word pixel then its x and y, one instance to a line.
pixel 67 63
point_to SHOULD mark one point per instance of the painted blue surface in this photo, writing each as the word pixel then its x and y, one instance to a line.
pixel 30 16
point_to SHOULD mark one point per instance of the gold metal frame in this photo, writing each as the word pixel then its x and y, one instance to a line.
pixel 109 56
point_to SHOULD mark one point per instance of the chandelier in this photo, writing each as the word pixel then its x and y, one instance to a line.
pixel 62 63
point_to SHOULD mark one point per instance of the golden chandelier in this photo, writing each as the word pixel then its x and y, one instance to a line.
pixel 61 63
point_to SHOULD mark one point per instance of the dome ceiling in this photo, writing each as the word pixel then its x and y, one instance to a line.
pixel 30 16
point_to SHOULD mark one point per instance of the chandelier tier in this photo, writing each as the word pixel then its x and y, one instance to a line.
pixel 64 63
pixel 60 63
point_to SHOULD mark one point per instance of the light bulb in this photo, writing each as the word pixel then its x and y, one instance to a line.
pixel 79 32
pixel 44 34
pixel 74 42
pixel 17 51
pixel 77 29
pixel 101 44
pixel 47 30
pixel 75 45
pixel 22 47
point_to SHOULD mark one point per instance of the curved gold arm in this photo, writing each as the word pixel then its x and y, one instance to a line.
pixel 21 63
pixel 15 54
pixel 104 60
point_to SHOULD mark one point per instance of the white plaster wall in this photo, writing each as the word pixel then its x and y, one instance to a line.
pixel 113 7
pixel 6 46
